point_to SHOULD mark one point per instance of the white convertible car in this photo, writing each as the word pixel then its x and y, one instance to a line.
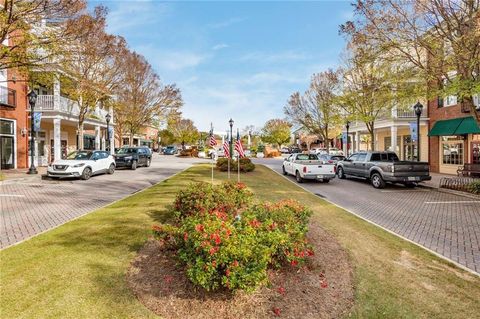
pixel 83 164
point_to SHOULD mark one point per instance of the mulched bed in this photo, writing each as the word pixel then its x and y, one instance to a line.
pixel 322 289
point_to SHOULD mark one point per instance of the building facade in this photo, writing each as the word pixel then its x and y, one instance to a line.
pixel 454 136
pixel 392 132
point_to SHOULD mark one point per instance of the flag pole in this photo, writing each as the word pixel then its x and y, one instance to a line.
pixel 238 158
pixel 209 142
pixel 229 157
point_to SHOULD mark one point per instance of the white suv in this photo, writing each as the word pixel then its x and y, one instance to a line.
pixel 83 164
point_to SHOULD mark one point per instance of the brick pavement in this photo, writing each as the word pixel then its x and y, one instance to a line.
pixel 31 206
pixel 448 224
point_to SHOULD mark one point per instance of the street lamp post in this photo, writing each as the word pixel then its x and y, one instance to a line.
pixel 108 117
pixel 32 99
pixel 418 112
pixel 348 127
pixel 231 138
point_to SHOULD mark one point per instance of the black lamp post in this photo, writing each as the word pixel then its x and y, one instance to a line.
pixel 231 138
pixel 418 112
pixel 108 117
pixel 32 99
pixel 348 127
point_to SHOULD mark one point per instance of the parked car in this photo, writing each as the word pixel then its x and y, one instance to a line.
pixel 285 150
pixel 216 153
pixel 294 150
pixel 382 167
pixel 170 150
pixel 308 166
pixel 331 159
pixel 318 151
pixel 133 157
pixel 82 164
pixel 334 151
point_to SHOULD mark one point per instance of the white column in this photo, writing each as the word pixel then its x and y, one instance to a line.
pixel 57 145
pixel 393 133
pixel 103 143
pixel 56 92
pixel 357 141
pixel 97 137
pixel 112 142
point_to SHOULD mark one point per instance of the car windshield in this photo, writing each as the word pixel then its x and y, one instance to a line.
pixel 306 157
pixel 127 150
pixel 170 147
pixel 79 155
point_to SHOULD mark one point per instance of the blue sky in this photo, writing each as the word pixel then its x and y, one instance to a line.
pixel 233 59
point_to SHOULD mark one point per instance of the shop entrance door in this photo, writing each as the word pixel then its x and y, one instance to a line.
pixel 475 152
pixel 7 152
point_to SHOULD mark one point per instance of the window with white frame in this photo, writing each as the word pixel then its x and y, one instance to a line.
pixel 453 150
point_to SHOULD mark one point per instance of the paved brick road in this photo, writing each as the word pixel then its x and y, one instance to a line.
pixel 32 206
pixel 445 223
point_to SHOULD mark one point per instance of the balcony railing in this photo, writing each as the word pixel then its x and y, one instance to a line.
pixel 402 114
pixel 65 105
pixel 8 97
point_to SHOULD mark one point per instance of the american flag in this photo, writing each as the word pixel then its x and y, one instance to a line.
pixel 226 148
pixel 212 141
pixel 238 146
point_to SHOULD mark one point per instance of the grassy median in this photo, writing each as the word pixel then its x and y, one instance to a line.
pixel 78 270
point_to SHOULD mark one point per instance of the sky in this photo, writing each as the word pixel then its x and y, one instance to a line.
pixel 239 60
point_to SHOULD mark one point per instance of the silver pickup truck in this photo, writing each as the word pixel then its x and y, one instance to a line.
pixel 382 167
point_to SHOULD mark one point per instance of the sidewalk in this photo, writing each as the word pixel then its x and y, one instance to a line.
pixel 17 175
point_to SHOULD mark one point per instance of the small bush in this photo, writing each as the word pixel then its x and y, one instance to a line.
pixel 235 249
pixel 246 165
pixel 202 198
pixel 474 187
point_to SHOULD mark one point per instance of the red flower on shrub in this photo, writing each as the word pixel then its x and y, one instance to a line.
pixel 276 311
pixel 281 290
pixel 294 263
pixel 310 252
pixel 255 223
pixel 216 238
pixel 214 263
pixel 185 236
pixel 156 228
pixel 199 228
pixel 227 272
pixel 235 263
pixel 241 185
pixel 273 226
pixel 213 250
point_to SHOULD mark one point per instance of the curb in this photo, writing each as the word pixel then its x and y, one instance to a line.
pixel 451 191
pixel 473 272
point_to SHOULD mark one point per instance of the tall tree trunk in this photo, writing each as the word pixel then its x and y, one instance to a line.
pixel 130 140
pixel 80 135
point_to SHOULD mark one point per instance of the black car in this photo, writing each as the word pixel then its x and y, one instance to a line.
pixel 133 157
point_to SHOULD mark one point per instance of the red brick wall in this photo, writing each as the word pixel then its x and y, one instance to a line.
pixel 435 114
pixel 19 114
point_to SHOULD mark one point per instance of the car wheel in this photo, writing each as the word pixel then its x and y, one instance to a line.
pixel 340 173
pixel 111 169
pixel 298 177
pixel 87 173
pixel 284 171
pixel 134 165
pixel 377 181
pixel 148 162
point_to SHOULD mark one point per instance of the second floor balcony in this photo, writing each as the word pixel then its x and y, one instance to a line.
pixel 63 105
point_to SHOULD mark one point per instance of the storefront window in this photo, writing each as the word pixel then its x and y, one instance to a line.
pixel 475 149
pixel 409 149
pixel 6 127
pixel 387 142
pixel 453 150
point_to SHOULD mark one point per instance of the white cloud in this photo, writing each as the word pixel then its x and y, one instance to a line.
pixel 220 46
pixel 276 57
pixel 171 60
pixel 225 23
pixel 133 15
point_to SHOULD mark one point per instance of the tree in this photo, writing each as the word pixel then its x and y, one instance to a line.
pixel 90 65
pixel 440 39
pixel 166 137
pixel 317 110
pixel 37 31
pixel 142 99
pixel 184 131
pixel 276 131
pixel 367 89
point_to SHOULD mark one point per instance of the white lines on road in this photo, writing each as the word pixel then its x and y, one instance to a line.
pixel 11 195
pixel 455 202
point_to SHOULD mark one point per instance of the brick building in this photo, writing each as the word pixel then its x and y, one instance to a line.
pixel 454 135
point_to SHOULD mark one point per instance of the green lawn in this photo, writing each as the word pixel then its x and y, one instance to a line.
pixel 78 270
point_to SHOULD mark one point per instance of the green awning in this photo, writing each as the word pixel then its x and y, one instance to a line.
pixel 458 126
pixel 468 126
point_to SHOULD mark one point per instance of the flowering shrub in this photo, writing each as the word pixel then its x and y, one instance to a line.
pixel 235 248
pixel 246 165
pixel 202 198
pixel 474 187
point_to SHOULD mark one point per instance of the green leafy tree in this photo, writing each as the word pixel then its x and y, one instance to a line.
pixel 276 131
pixel 184 131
